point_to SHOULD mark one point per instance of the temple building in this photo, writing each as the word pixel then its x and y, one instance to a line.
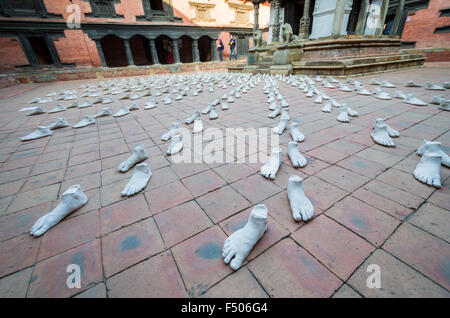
pixel 342 37
pixel 120 33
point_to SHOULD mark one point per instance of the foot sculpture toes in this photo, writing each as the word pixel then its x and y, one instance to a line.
pixel 236 262
pixel 229 257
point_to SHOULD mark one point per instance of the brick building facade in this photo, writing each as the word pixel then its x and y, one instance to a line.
pixel 429 29
pixel 121 32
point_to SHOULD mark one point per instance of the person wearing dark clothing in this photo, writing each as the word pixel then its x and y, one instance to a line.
pixel 233 48
pixel 220 48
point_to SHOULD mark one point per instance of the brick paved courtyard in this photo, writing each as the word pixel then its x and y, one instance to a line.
pixel 167 240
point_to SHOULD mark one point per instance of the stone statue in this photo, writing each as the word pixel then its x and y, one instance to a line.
pixel 286 34
pixel 258 39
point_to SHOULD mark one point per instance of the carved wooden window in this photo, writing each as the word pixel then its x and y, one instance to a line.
pixel 241 13
pixel 158 10
pixel 25 8
pixel 202 11
pixel 103 9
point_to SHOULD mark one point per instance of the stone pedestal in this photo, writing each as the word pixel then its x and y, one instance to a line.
pixel 324 16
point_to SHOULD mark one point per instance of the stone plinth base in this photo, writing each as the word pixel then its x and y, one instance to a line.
pixel 349 55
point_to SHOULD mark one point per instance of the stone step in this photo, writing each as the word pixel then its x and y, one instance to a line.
pixel 267 59
pixel 263 70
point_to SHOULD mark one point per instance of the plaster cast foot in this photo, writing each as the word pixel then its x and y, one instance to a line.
pixel 139 179
pixel 106 111
pixel 445 105
pixel 72 199
pixel 433 86
pixel 413 100
pixel 198 126
pixel 59 123
pixel 295 132
pixel 191 119
pixel 137 156
pixel 275 113
pixel 224 105
pixel 301 206
pixel 296 157
pixel 428 169
pixel 122 112
pixel 413 84
pixel 239 244
pixel 391 132
pixel 381 136
pixel 40 132
pixel 434 146
pixel 173 130
pixel 37 111
pixel 343 115
pixel 207 109
pixel 175 146
pixel 151 103
pixel 270 169
pixel 281 126
pixel 213 113
pixel 86 121
pixel 327 107
pixel 58 108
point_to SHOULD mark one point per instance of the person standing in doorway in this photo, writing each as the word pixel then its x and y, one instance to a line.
pixel 233 48
pixel 220 48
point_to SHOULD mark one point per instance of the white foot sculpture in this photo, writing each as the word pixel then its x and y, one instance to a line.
pixel 37 111
pixel 175 146
pixel 139 179
pixel 57 109
pixel 276 112
pixel 413 100
pixel 139 154
pixel 301 206
pixel 173 130
pixel 40 132
pixel 297 159
pixel 72 199
pixel 270 169
pixel 428 169
pixel 213 113
pixel 381 136
pixel 86 121
pixel 392 132
pixel 106 111
pixel 295 132
pixel 239 244
pixel 434 146
pixel 343 115
pixel 281 126
pixel 151 103
pixel 198 125
pixel 191 119
pixel 59 123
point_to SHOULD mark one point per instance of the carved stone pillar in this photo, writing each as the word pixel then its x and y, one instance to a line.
pixel 338 18
pixel 398 17
pixel 176 52
pixel 255 16
pixel 126 42
pixel 362 18
pixel 100 52
pixel 153 52
pixel 383 13
pixel 305 22
pixel 276 21
pixel 195 53
pixel 28 50
pixel 52 49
